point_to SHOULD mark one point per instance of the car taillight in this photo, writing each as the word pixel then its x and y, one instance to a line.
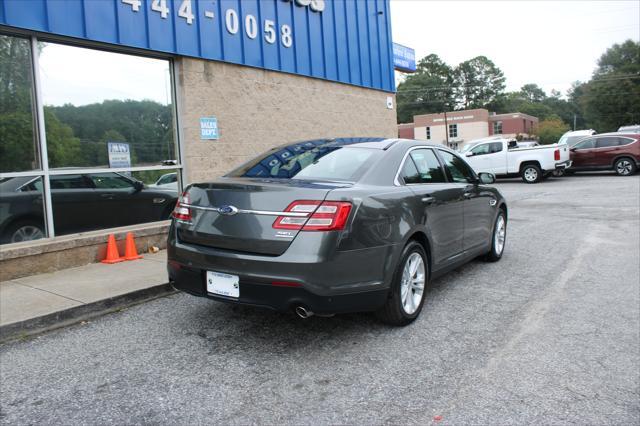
pixel 182 211
pixel 556 155
pixel 320 216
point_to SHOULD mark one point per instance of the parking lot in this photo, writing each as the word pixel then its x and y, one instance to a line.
pixel 550 334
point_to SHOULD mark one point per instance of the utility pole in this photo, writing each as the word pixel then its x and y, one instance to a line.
pixel 446 128
pixel 574 122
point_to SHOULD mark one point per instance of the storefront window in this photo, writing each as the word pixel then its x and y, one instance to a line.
pixel 100 110
pixel 21 209
pixel 106 109
pixel 86 202
pixel 18 143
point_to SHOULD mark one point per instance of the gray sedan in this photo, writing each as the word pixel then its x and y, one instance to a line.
pixel 335 225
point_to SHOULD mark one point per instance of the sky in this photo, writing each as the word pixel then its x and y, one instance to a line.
pixel 84 76
pixel 550 43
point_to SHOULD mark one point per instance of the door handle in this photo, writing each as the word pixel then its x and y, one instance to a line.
pixel 428 200
pixel 107 196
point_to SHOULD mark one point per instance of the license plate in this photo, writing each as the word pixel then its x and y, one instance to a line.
pixel 223 284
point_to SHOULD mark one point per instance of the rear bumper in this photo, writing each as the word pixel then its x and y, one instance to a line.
pixel 335 282
pixel 278 298
pixel 563 165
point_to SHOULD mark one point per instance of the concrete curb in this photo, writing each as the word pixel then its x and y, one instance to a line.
pixel 76 314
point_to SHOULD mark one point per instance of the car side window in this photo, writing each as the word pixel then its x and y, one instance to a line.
pixel 110 181
pixel 625 141
pixel 457 169
pixel 410 172
pixel 495 147
pixel 585 144
pixel 68 182
pixel 429 169
pixel 481 149
pixel 607 142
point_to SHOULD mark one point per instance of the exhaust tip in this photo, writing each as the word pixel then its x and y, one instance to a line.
pixel 302 312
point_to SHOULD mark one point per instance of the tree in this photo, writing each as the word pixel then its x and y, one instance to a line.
pixel 551 129
pixel 429 89
pixel 612 97
pixel 533 93
pixel 478 82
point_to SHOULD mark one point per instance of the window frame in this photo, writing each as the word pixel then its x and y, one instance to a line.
pixel 448 173
pixel 399 180
pixel 453 127
pixel 45 172
pixel 496 125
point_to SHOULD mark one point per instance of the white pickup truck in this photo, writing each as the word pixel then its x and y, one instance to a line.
pixel 504 158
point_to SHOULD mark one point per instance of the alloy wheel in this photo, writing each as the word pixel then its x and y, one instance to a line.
pixel 531 174
pixel 624 167
pixel 27 233
pixel 413 282
pixel 499 235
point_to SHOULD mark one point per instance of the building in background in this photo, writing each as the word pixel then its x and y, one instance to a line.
pixel 98 96
pixel 458 127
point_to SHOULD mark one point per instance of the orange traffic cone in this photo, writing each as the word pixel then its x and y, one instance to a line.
pixel 130 252
pixel 112 251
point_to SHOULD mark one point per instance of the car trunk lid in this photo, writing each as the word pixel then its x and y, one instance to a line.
pixel 237 214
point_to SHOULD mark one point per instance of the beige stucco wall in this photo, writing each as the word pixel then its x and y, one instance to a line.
pixel 258 109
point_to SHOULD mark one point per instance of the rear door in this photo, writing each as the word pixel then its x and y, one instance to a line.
pixel 477 211
pixel 442 202
pixel 607 147
pixel 498 158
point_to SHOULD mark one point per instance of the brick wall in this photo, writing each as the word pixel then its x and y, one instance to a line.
pixel 258 109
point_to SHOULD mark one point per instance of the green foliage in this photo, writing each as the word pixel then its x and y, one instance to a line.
pixel 17 144
pixel 478 82
pixel 612 97
pixel 428 90
pixel 63 148
pixel 551 129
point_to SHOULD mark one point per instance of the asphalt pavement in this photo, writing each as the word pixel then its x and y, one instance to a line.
pixel 548 335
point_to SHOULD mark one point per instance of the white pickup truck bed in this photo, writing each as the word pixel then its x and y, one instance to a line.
pixel 503 158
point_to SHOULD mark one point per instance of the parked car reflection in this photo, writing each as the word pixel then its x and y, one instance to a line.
pixel 81 202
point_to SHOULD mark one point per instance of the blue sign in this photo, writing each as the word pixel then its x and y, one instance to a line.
pixel 208 128
pixel 119 155
pixel 404 58
pixel 347 41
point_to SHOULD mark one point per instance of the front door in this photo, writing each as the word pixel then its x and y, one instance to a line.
pixel 442 203
pixel 583 153
pixel 477 210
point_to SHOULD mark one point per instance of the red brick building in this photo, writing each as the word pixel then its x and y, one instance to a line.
pixel 459 127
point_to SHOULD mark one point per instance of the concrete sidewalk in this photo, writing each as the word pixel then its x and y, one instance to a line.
pixel 40 302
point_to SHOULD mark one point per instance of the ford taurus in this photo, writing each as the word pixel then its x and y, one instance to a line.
pixel 333 226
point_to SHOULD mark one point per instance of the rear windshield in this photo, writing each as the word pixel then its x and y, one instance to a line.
pixel 311 161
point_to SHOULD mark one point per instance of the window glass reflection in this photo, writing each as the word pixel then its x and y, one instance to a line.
pixel 18 143
pixel 21 209
pixel 108 110
pixel 85 202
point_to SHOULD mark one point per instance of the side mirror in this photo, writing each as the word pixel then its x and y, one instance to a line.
pixel 468 154
pixel 486 178
pixel 572 149
pixel 138 186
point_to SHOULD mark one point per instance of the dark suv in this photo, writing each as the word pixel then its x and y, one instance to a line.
pixel 608 151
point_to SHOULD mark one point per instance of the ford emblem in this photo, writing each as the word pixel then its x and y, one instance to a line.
pixel 228 210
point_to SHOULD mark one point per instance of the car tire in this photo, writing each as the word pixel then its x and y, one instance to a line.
pixel 531 173
pixel 402 306
pixel 498 238
pixel 23 230
pixel 624 166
